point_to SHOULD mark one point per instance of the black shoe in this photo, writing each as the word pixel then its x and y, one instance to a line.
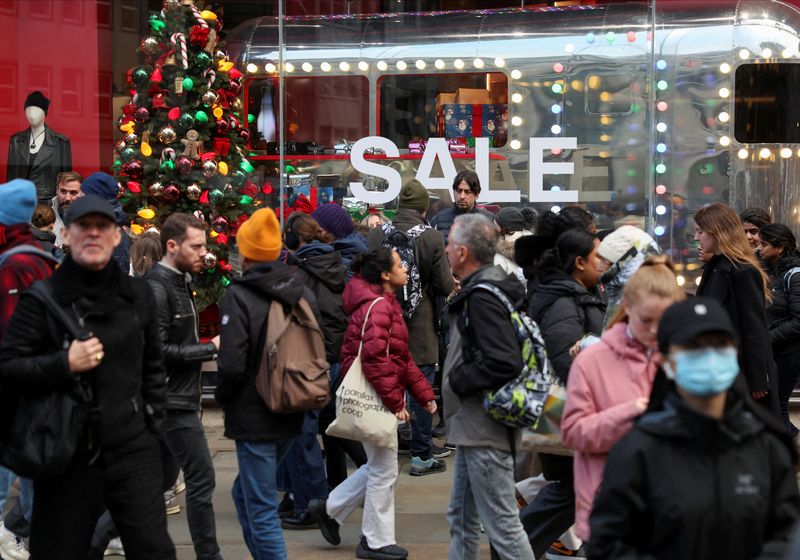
pixel 451 446
pixel 390 552
pixel 440 452
pixel 298 522
pixel 286 507
pixel 327 526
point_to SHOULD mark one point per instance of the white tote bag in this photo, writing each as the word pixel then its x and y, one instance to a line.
pixel 360 413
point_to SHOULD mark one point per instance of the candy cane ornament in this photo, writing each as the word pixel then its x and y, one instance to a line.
pixel 167 152
pixel 212 76
pixel 181 38
pixel 198 18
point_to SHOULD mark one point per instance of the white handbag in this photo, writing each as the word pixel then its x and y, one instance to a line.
pixel 360 412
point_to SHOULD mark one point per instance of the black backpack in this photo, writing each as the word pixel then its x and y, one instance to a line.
pixel 410 295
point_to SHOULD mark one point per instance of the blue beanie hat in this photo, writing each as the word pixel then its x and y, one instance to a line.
pixel 334 219
pixel 101 184
pixel 17 201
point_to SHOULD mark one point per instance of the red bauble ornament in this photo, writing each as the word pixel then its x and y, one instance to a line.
pixel 134 187
pixel 220 224
pixel 249 189
pixel 129 110
pixel 133 169
pixel 171 194
pixel 222 126
pixel 183 165
pixel 221 239
pixel 142 114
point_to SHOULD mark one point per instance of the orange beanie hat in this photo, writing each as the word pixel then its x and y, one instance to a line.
pixel 259 238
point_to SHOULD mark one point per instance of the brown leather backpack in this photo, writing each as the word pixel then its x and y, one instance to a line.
pixel 293 373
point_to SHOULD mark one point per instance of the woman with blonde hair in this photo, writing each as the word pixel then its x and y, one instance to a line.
pixel 610 382
pixel 733 276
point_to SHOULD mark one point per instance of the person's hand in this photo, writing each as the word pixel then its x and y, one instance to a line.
pixel 215 342
pixel 641 404
pixel 403 415
pixel 431 407
pixel 575 349
pixel 758 395
pixel 84 355
pixel 456 285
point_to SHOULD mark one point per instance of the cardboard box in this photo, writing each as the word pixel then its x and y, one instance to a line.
pixel 467 96
pixel 444 99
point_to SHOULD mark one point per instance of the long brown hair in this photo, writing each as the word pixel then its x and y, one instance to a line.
pixel 145 252
pixel 656 277
pixel 722 221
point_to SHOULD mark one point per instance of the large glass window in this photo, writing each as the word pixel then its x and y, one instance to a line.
pixel 767 103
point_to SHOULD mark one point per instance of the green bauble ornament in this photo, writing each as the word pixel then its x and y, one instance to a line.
pixel 215 196
pixel 201 116
pixel 246 166
pixel 128 154
pixel 237 178
pixel 188 84
pixel 186 121
pixel 156 24
pixel 140 76
pixel 251 118
pixel 202 60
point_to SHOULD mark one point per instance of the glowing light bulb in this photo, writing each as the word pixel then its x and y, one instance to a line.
pixel 661 148
pixel 558 67
pixel 516 97
pixel 742 154
pixel 725 141
pixel 252 68
pixel 515 144
pixel 662 85
pixel 661 64
pixel 516 121
pixel 681 280
pixel 516 74
pixel 661 209
pixel 289 67
pixel 555 209
pixel 766 53
pixel 307 67
pixel 786 153
pixel 439 63
pixel 569 48
pixel 344 66
pixel 744 54
pixel 477 63
pixel 725 68
pixel 382 66
pixel 787 53
pixel 555 129
pixel 662 106
pixel 556 109
pixel 557 88
pixel 661 189
pixel 661 127
pixel 764 153
pixel 458 63
pixel 401 65
pixel 724 93
pixel 499 62
pixel 724 117
pixel 363 66
pixel 325 67
pixel 269 67
pixel 420 64
pixel 698 280
pixel 661 168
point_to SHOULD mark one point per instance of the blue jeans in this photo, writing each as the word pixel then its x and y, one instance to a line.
pixel 483 492
pixel 25 492
pixel 255 495
pixel 302 471
pixel 422 420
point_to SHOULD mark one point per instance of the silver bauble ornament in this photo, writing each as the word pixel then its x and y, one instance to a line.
pixel 219 54
pixel 170 5
pixel 210 168
pixel 131 139
pixel 209 260
pixel 210 97
pixel 155 190
pixel 193 191
pixel 149 45
pixel 167 134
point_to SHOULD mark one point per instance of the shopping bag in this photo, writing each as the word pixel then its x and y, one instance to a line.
pixel 360 412
pixel 545 437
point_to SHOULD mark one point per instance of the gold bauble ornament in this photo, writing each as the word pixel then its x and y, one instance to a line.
pixel 167 134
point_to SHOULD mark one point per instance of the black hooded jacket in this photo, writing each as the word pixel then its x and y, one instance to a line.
pixel 243 312
pixel 783 314
pixel 684 485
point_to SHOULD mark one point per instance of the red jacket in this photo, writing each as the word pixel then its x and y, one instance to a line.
pixel 390 375
pixel 19 271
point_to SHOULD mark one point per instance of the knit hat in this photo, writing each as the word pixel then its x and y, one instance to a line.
pixel 620 241
pixel 510 218
pixel 17 201
pixel 259 238
pixel 414 195
pixel 37 99
pixel 334 219
pixel 101 184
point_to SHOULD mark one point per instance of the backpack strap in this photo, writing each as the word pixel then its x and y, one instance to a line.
pixel 498 293
pixel 26 250
pixel 43 291
pixel 787 278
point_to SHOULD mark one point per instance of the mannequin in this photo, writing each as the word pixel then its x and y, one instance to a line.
pixel 39 153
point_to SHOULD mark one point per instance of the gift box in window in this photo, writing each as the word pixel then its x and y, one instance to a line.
pixel 474 121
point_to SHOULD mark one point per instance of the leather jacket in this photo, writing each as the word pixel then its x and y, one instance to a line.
pixel 53 157
pixel 177 320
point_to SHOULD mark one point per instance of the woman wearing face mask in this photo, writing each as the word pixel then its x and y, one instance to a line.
pixel 709 476
pixel 567 306
pixel 733 276
pixel 610 382
pixel 778 248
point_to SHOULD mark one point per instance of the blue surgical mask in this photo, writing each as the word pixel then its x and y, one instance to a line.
pixel 704 372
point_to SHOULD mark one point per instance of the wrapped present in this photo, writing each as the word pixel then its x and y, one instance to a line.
pixel 469 96
pixel 457 145
pixel 474 121
pixel 417 146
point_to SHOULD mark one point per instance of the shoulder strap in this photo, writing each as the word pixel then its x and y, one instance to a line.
pixel 28 250
pixel 43 291
pixel 787 278
pixel 498 294
pixel 364 326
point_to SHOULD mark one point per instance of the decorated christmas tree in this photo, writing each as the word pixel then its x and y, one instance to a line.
pixel 183 148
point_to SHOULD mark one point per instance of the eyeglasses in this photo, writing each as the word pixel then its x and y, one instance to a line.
pixel 465 192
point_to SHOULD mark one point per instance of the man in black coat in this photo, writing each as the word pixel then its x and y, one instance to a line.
pixel 710 475
pixel 183 241
pixel 466 189
pixel 118 461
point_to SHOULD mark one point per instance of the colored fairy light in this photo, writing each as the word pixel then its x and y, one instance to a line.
pixel 662 106
pixel 681 280
pixel 458 63
pixel 515 144
pixel 569 48
pixel 401 65
pixel 661 127
pixel 661 148
pixel 590 38
pixel 307 67
pixel 363 66
pixel 344 66
pixel 724 92
pixel 661 168
pixel 555 151
pixel 766 53
pixel 605 137
pixel 611 36
pixel 786 153
pixel 555 209
pixel 558 67
pixel 725 141
pixel 420 64
pixel 725 68
pixel 661 189
pixel 516 121
pixel 326 66
pixel 744 54
pixel 631 36
pixel 516 74
pixel 555 129
pixel 252 68
pixel 764 153
pixel 477 63
pixel 662 85
pixel 557 88
pixel 555 109
pixel 555 188
pixel 659 230
pixel 499 62
pixel 439 64
pixel 661 209
pixel 724 117
pixel 516 97
pixel 269 67
pixel 661 64
pixel 603 154
pixel 742 154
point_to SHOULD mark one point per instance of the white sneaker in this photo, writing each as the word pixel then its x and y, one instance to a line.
pixel 114 548
pixel 11 546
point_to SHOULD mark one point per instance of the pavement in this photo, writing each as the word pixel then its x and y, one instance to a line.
pixel 421 503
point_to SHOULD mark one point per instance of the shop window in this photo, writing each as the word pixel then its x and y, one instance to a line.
pixel 767 103
pixel 72 11
pixel 129 15
pixel 40 78
pixel 41 9
pixel 71 79
pixel 104 88
pixel 443 105
pixel 104 13
pixel 608 93
pixel 321 110
pixel 8 88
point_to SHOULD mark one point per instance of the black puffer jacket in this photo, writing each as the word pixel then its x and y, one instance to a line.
pixel 176 317
pixel 684 485
pixel 565 311
pixel 783 315
pixel 323 271
pixel 243 312
pixel 443 221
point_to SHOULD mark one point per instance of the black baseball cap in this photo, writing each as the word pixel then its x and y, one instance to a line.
pixel 89 204
pixel 687 319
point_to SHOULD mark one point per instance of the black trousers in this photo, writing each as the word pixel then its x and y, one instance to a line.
pixel 549 515
pixel 187 443
pixel 128 483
